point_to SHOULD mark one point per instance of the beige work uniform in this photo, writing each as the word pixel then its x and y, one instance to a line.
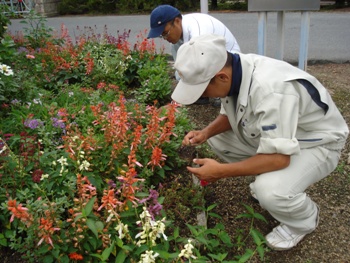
pixel 274 113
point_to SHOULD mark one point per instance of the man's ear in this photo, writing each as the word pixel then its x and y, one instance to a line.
pixel 177 20
pixel 222 76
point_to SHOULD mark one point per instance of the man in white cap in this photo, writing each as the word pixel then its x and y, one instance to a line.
pixel 167 22
pixel 276 122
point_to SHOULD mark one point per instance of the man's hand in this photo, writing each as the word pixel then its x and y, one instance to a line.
pixel 194 138
pixel 208 171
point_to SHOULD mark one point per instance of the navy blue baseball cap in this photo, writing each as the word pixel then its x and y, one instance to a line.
pixel 159 17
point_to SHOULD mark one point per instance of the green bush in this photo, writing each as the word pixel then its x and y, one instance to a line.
pixel 4 19
pixel 81 164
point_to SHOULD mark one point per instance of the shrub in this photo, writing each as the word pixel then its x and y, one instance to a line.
pixel 81 164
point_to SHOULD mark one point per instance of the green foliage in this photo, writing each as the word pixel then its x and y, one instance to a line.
pixel 73 7
pixel 4 19
pixel 121 6
pixel 155 81
pixel 182 199
pixel 36 33
pixel 233 5
pixel 80 162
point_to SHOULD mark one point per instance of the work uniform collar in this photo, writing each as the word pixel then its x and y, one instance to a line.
pixel 236 75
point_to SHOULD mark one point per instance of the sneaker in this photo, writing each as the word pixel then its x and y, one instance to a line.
pixel 254 197
pixel 282 238
pixel 202 101
pixel 216 102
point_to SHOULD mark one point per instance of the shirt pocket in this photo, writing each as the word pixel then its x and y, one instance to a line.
pixel 251 131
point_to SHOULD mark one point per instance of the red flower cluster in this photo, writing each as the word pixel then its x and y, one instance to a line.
pixel 18 211
pixel 76 256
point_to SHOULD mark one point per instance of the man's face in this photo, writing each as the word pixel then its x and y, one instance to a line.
pixel 172 31
pixel 217 88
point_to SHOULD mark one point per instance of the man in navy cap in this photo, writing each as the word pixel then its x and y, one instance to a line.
pixel 168 23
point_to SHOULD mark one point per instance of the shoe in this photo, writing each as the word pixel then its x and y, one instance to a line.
pixel 216 102
pixel 202 101
pixel 282 238
pixel 254 197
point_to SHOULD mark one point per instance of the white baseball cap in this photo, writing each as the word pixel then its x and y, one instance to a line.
pixel 197 62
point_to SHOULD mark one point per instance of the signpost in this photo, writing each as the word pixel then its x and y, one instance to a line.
pixel 281 6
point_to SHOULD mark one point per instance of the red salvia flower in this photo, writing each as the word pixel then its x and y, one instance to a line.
pixel 157 158
pixel 18 211
pixel 76 256
pixel 46 230
pixel 108 200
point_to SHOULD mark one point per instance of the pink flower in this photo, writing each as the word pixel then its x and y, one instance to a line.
pixel 30 56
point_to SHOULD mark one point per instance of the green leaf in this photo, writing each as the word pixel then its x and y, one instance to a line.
pixel 77 217
pixel 120 242
pixel 249 209
pixel 176 232
pixel 248 254
pixel 244 215
pixel 254 233
pixel 214 215
pixel 64 259
pixel 3 240
pixel 121 257
pixel 91 225
pixel 225 238
pixel 260 217
pixel 202 240
pixel 99 225
pixel 162 254
pixel 107 252
pixel 211 207
pixel 93 242
pixel 192 229
pixel 261 251
pixel 220 257
pixel 48 259
pixel 89 206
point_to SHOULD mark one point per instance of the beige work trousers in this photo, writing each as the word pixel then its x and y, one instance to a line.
pixel 282 192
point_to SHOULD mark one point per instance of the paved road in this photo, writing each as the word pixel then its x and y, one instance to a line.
pixel 329 38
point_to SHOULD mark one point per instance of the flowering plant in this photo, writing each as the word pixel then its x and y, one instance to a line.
pixel 81 161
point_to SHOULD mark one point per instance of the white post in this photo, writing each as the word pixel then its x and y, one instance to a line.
pixel 280 35
pixel 262 21
pixel 304 39
pixel 204 6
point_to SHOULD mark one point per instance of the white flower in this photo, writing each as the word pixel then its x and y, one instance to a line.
pixel 6 70
pixel 187 251
pixel 148 257
pixel 37 101
pixel 62 161
pixel 151 230
pixel 3 149
pixel 84 166
pixel 44 176
pixel 122 230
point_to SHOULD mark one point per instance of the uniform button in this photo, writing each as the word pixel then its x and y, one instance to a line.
pixel 226 101
pixel 253 134
pixel 241 110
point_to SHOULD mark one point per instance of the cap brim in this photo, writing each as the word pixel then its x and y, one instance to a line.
pixel 156 31
pixel 188 94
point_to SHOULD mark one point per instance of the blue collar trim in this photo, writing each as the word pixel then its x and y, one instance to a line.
pixel 236 75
